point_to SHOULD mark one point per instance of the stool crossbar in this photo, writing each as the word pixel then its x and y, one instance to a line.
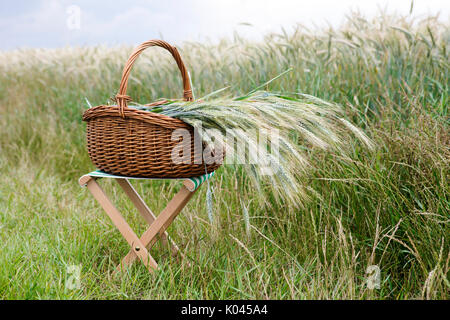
pixel 139 247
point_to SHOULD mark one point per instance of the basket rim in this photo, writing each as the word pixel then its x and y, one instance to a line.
pixel 132 113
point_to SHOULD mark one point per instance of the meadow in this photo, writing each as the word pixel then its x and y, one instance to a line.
pixel 387 207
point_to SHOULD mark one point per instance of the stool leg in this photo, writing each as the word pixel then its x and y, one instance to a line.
pixel 162 222
pixel 144 210
pixel 137 247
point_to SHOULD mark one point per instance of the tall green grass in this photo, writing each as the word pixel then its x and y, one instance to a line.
pixel 389 207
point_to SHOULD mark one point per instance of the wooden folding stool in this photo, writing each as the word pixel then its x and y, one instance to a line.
pixel 158 225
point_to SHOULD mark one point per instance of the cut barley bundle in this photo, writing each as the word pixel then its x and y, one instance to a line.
pixel 292 125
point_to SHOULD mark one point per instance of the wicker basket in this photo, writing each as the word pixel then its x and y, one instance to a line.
pixel 130 142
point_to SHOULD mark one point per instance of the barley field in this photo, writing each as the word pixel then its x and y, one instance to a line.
pixel 388 206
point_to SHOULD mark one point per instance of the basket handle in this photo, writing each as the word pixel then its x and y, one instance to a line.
pixel 122 98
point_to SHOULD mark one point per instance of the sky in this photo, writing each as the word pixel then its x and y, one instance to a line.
pixel 53 23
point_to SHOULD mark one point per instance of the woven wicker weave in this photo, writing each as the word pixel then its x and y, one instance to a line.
pixel 131 142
